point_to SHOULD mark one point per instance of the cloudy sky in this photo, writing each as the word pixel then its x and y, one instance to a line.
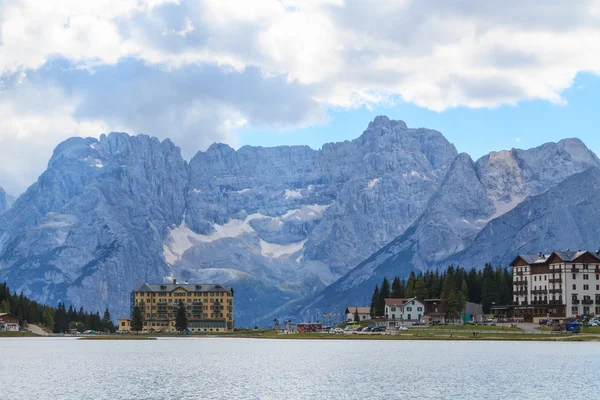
pixel 489 75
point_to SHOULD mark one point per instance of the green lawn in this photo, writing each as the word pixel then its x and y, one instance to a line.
pixel 472 328
pixel 590 329
pixel 118 337
pixel 17 334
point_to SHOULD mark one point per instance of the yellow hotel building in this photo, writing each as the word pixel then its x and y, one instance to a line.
pixel 209 307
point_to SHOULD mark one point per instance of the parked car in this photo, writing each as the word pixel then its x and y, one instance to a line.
pixel 543 321
pixel 336 330
pixel 402 328
pixel 380 328
pixel 553 322
pixel 417 323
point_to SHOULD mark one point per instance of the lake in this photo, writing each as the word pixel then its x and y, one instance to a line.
pixel 226 368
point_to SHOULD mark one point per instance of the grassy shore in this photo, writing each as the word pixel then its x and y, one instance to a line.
pixel 118 337
pixel 470 328
pixel 17 334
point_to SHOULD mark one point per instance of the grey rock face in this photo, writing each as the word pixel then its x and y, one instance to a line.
pixel 277 223
pixel 458 225
pixel 6 200
pixel 92 226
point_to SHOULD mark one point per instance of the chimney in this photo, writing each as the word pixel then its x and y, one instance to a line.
pixel 174 281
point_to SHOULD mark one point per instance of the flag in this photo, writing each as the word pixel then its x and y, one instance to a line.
pixel 330 314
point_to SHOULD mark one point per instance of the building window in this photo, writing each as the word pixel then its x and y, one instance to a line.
pixel 574 287
pixel 574 276
pixel 586 277
pixel 419 308
pixel 535 278
pixel 409 309
pixel 574 310
pixel 586 310
pixel 586 287
pixel 597 276
pixel 545 277
pixel 393 308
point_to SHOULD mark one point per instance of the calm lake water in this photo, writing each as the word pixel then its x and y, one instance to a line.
pixel 220 368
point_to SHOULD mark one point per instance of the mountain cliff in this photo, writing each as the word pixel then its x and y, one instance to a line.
pixel 294 230
pixel 6 200
pixel 459 219
pixel 277 223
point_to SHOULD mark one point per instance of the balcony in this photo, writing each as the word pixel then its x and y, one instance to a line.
pixel 520 293
pixel 519 273
pixel 556 271
pixel 539 303
pixel 575 301
pixel 556 280
pixel 520 283
pixel 538 291
pixel 555 291
pixel 587 301
pixel 555 302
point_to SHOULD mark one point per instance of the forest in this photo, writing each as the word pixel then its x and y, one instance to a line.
pixel 56 319
pixel 454 287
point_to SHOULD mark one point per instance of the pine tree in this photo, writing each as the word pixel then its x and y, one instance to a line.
pixel 420 289
pixel 374 299
pixel 464 289
pixel 409 291
pixel 5 306
pixel 137 319
pixel 397 289
pixel 384 293
pixel 107 322
pixel 181 322
pixel 356 315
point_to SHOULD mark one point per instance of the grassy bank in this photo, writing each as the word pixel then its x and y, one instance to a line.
pixel 17 334
pixel 118 337
pixel 470 328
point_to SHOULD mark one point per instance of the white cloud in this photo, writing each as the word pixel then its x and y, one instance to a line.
pixel 518 140
pixel 307 54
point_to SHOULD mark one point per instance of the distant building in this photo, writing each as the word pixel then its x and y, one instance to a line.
pixel 403 311
pixel 9 322
pixel 364 313
pixel 209 307
pixel 562 284
pixel 435 313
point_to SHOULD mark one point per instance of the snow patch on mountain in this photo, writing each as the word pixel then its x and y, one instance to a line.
pixel 272 250
pixel 292 194
pixel 372 183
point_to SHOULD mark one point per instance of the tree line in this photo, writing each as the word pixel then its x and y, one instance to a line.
pixel 58 319
pixel 454 286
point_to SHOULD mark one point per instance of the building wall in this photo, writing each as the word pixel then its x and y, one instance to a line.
pixel 206 311
pixel 567 284
pixel 362 316
pixel 409 312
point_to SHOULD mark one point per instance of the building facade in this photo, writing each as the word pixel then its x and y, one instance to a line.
pixel 9 322
pixel 557 285
pixel 403 311
pixel 435 313
pixel 364 313
pixel 209 307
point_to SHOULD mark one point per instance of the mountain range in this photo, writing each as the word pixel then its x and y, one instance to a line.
pixel 296 231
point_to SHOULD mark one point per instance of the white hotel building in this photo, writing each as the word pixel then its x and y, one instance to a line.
pixel 560 285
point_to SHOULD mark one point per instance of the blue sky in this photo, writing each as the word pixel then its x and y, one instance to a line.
pixel 473 131
pixel 488 75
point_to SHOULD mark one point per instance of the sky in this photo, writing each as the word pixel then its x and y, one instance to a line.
pixel 489 75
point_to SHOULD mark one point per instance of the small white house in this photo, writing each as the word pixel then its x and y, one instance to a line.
pixel 9 322
pixel 364 313
pixel 403 311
